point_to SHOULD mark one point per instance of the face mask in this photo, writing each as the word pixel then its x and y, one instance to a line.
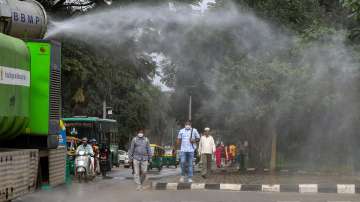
pixel 141 134
pixel 187 126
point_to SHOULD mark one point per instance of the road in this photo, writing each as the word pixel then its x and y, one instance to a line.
pixel 120 189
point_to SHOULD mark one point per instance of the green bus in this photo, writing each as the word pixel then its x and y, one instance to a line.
pixel 105 131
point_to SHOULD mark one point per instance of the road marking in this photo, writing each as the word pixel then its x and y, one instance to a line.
pixel 270 188
pixel 346 188
pixel 171 186
pixel 308 188
pixel 197 186
pixel 338 201
pixel 230 187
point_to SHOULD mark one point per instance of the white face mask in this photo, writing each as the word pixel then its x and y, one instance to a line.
pixel 187 126
pixel 141 134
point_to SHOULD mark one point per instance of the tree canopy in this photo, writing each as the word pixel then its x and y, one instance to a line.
pixel 255 69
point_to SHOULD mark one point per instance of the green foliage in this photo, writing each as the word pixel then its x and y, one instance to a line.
pixel 353 6
pixel 297 92
pixel 91 76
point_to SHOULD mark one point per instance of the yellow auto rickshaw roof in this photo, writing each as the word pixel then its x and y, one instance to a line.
pixel 155 145
pixel 69 138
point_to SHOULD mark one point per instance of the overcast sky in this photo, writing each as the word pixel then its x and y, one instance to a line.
pixel 202 6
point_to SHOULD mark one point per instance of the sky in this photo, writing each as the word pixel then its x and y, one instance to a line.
pixel 158 58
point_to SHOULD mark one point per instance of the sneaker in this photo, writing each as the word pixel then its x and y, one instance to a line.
pixel 181 179
pixel 147 187
pixel 189 180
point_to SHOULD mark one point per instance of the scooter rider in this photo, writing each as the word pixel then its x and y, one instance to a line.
pixel 88 149
pixel 104 159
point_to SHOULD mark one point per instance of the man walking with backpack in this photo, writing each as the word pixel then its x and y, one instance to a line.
pixel 139 155
pixel 187 138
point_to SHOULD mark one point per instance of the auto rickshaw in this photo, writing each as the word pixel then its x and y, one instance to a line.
pixel 169 158
pixel 157 154
pixel 72 144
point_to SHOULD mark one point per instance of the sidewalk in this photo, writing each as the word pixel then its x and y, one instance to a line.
pixel 232 180
pixel 231 176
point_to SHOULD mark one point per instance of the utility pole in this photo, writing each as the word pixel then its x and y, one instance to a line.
pixel 190 108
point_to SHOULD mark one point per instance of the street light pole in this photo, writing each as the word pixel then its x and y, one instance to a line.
pixel 104 109
pixel 172 136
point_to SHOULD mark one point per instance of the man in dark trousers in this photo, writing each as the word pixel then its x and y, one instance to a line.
pixel 139 156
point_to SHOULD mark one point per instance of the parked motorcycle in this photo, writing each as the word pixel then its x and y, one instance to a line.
pixel 83 166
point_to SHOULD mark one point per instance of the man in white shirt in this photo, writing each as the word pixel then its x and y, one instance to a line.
pixel 206 149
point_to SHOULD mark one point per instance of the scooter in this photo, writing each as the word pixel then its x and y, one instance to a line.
pixel 83 166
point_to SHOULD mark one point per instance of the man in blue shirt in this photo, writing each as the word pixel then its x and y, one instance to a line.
pixel 187 138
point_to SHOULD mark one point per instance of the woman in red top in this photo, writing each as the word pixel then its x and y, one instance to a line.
pixel 218 153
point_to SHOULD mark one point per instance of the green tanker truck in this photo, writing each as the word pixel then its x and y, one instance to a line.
pixel 30 101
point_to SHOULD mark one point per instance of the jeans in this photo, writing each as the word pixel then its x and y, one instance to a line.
pixel 140 168
pixel 186 163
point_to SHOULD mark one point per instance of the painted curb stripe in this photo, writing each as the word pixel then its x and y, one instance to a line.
pixel 270 188
pixel 301 188
pixel 212 186
pixel 160 186
pixel 250 187
pixel 172 186
pixel 183 186
pixel 346 189
pixel 308 188
pixel 230 187
pixel 326 188
pixel 197 186
pixel 357 188
pixel 289 188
